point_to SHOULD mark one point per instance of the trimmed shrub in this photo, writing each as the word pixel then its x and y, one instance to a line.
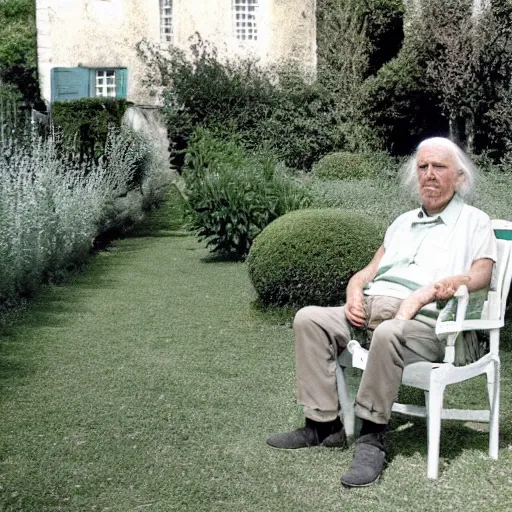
pixel 346 165
pixel 308 256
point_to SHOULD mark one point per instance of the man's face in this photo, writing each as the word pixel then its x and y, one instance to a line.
pixel 437 178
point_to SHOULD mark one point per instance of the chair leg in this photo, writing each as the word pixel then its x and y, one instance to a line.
pixel 346 403
pixel 493 388
pixel 435 407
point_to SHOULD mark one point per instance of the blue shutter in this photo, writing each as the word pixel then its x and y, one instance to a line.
pixel 69 83
pixel 121 82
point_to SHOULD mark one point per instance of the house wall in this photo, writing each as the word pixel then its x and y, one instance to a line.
pixel 103 33
pixel 286 30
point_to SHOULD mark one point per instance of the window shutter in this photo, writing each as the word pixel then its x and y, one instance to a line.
pixel 121 82
pixel 69 83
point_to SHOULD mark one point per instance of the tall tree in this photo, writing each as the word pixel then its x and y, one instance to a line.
pixel 356 37
pixel 470 59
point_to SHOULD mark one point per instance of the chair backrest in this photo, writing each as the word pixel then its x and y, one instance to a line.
pixel 503 232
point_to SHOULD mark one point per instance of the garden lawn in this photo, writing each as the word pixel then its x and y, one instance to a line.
pixel 149 383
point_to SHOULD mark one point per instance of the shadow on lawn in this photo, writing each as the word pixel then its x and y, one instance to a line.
pixel 53 307
pixel 409 436
pixel 213 257
pixel 19 348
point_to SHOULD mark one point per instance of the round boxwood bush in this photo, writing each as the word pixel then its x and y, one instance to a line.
pixel 344 165
pixel 307 256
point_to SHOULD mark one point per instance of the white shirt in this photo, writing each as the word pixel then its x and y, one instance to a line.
pixel 420 250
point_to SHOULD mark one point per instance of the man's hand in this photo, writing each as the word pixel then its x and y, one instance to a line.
pixel 354 308
pixel 446 288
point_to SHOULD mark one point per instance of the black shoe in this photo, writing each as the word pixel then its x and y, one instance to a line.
pixel 330 435
pixel 368 462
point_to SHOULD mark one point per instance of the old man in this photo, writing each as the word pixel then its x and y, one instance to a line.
pixel 426 254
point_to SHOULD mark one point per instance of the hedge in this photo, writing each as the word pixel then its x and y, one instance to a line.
pixel 344 165
pixel 307 256
pixel 85 123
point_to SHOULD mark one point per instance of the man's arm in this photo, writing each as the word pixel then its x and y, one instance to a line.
pixel 354 309
pixel 478 277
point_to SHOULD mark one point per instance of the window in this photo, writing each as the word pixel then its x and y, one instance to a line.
pixel 75 83
pixel 244 12
pixel 105 83
pixel 166 21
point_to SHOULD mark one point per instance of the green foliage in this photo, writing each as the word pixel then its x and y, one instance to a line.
pixel 452 74
pixel 384 29
pixel 11 115
pixel 277 109
pixel 499 122
pixel 496 77
pixel 400 104
pixel 468 55
pixel 18 65
pixel 308 256
pixel 233 196
pixel 130 153
pixel 345 165
pixel 232 96
pixel 304 124
pixel 51 210
pixel 381 198
pixel 208 151
pixel 355 38
pixel 85 123
pixel 9 96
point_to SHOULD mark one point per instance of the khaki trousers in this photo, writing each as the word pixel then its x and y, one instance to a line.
pixel 321 333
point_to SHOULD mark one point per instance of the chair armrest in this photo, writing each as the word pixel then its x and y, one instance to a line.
pixel 468 312
pixel 359 354
pixel 460 302
pixel 493 306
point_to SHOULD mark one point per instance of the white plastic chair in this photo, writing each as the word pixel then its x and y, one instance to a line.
pixel 433 378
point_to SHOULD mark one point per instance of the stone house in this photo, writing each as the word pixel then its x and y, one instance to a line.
pixel 88 47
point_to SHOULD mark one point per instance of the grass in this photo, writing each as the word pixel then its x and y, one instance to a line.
pixel 167 219
pixel 151 383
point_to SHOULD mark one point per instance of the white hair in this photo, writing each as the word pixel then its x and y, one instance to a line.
pixel 465 186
